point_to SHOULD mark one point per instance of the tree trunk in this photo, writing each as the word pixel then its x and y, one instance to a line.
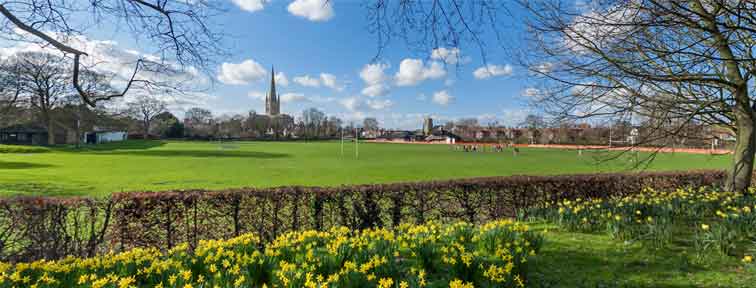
pixel 146 130
pixel 50 132
pixel 739 177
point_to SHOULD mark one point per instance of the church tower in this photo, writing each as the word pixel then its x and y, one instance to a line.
pixel 272 102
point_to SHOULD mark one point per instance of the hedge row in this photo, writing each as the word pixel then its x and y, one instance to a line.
pixel 35 227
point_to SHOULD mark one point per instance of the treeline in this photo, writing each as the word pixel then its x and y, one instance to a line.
pixel 36 95
pixel 536 130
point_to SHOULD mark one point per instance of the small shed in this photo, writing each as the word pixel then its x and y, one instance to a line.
pixel 104 136
pixel 23 134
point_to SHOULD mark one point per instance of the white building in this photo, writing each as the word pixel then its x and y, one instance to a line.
pixel 103 136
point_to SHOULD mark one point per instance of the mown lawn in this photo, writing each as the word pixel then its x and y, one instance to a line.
pixel 156 165
pixel 574 259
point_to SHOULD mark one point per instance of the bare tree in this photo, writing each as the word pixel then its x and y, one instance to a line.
pixel 178 31
pixel 313 120
pixel 145 109
pixel 42 83
pixel 370 124
pixel 425 25
pixel 669 63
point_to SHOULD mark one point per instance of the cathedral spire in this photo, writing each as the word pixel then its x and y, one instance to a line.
pixel 272 101
pixel 273 83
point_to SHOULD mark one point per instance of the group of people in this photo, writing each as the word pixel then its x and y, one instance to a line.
pixel 482 148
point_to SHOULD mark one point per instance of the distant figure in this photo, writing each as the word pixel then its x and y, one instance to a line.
pixel 516 151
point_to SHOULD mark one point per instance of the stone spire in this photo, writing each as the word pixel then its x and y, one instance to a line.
pixel 272 102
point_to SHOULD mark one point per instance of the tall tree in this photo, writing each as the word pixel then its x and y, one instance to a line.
pixel 370 124
pixel 43 84
pixel 146 109
pixel 313 120
pixel 668 63
pixel 198 121
pixel 178 31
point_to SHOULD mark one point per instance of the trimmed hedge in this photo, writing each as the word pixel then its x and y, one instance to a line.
pixel 50 228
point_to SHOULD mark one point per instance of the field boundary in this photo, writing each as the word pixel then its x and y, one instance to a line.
pixel 56 227
pixel 577 147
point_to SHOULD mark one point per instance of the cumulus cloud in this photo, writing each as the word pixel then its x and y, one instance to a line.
pixel 413 71
pixel 293 97
pixel 313 10
pixel 116 62
pixel 531 92
pixel 307 81
pixel 378 104
pixel 257 95
pixel 281 79
pixel 491 70
pixel 350 103
pixel 543 68
pixel 242 73
pixel 251 5
pixel 442 98
pixel 329 80
pixel 356 104
pixel 374 77
pixel 450 56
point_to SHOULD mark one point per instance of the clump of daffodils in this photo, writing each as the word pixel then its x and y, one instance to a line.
pixel 430 255
pixel 720 219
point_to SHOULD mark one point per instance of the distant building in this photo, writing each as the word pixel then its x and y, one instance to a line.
pixel 100 135
pixel 428 126
pixel 32 134
pixel 23 135
pixel 272 100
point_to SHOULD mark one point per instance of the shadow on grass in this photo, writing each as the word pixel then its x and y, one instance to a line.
pixel 197 154
pixel 115 146
pixel 22 165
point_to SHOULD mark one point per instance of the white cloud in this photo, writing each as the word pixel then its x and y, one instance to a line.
pixel 377 104
pixel 251 5
pixel 293 97
pixel 111 59
pixel 413 71
pixel 281 79
pixel 257 95
pixel 513 117
pixel 442 98
pixel 356 104
pixel 350 103
pixel 313 10
pixel 307 81
pixel 241 73
pixel 491 70
pixel 329 80
pixel 374 77
pixel 543 68
pixel 450 56
pixel 601 28
pixel 531 92
pixel 375 90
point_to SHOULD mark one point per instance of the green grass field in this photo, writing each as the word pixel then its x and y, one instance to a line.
pixel 574 259
pixel 154 165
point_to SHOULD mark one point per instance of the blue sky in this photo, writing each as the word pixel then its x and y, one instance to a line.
pixel 327 53
pixel 338 43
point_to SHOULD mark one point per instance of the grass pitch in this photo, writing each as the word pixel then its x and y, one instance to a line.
pixel 160 165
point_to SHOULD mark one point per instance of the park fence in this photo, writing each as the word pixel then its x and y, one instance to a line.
pixel 51 228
